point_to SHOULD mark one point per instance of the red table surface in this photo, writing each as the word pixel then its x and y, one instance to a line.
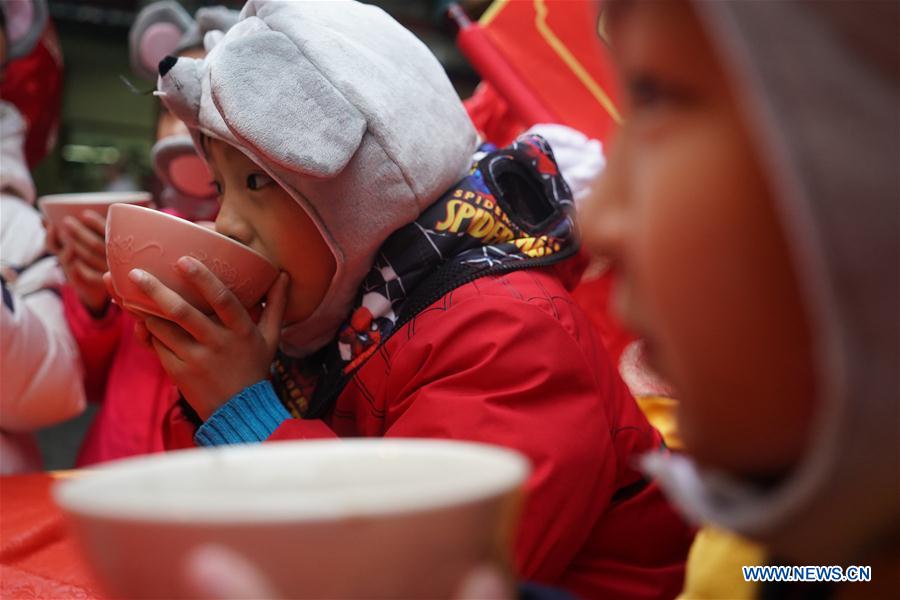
pixel 39 558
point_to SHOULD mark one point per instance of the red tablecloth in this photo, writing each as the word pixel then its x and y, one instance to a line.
pixel 38 556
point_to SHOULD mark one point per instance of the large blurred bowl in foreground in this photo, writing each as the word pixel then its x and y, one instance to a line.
pixel 321 519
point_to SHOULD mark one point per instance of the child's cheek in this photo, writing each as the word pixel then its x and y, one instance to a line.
pixel 296 309
pixel 721 308
pixel 674 244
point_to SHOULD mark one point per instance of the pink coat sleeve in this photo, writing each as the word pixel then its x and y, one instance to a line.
pixel 97 340
pixel 511 373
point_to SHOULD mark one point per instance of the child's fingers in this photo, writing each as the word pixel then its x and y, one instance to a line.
pixel 171 363
pixel 273 313
pixel 170 334
pixel 66 256
pixel 108 284
pixel 136 314
pixel 142 334
pixel 64 237
pixel 173 307
pixel 89 239
pixel 487 583
pixel 88 274
pixel 52 241
pixel 95 222
pixel 96 261
pixel 224 303
pixel 218 573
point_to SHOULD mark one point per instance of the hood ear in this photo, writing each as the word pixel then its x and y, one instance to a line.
pixel 25 22
pixel 156 33
pixel 177 164
pixel 261 82
pixel 213 22
pixel 211 39
pixel 180 87
pixel 216 18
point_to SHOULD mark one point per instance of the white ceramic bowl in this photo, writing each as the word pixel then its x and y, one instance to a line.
pixel 363 518
pixel 56 207
pixel 151 240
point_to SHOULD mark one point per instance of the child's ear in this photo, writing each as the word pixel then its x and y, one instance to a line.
pixel 267 91
pixel 156 32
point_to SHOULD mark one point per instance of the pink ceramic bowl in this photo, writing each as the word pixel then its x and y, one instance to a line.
pixel 142 238
pixel 57 207
pixel 362 518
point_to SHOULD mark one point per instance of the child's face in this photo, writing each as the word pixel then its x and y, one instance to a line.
pixel 703 272
pixel 259 213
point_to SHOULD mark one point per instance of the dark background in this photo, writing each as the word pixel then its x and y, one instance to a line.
pixel 100 112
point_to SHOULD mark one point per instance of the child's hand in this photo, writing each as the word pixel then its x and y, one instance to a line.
pixel 209 359
pixel 81 249
pixel 219 573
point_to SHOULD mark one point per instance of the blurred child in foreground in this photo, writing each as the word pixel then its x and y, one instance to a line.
pixel 750 207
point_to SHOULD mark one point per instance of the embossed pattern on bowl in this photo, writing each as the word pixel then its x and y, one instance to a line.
pixel 138 237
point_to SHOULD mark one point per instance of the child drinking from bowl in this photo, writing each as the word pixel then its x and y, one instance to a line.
pixel 750 208
pixel 133 390
pixel 420 295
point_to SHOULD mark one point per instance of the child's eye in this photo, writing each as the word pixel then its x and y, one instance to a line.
pixel 217 186
pixel 257 181
pixel 647 91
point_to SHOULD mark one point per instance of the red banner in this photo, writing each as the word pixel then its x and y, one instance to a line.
pixel 554 52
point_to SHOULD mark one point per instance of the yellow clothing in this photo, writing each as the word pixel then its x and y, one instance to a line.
pixel 660 411
pixel 714 566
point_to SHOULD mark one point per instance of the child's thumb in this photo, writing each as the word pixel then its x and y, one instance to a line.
pixel 273 312
pixel 218 573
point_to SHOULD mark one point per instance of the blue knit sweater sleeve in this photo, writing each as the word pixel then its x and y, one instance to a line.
pixel 250 416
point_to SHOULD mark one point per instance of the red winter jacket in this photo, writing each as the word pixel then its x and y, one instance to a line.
pixel 594 296
pixel 135 392
pixel 512 360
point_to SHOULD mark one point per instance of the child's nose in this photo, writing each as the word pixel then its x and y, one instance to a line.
pixel 231 224
pixel 603 219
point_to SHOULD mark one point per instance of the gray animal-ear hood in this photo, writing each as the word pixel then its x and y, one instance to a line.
pixel 820 81
pixel 164 28
pixel 346 109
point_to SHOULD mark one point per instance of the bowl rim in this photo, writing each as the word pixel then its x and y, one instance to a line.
pixel 87 495
pixel 164 215
pixel 77 198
